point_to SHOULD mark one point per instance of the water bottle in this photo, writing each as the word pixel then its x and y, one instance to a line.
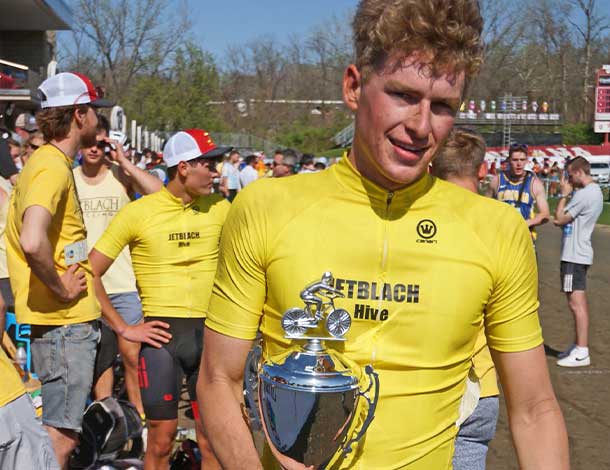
pixel 21 358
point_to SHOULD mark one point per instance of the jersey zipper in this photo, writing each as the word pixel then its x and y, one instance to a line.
pixel 383 266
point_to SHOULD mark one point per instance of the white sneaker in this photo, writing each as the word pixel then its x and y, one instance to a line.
pixel 572 360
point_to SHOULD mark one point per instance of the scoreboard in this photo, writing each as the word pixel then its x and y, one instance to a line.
pixel 602 95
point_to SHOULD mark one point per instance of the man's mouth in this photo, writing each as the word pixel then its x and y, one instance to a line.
pixel 413 149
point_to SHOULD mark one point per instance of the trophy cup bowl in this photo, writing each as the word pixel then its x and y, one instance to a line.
pixel 308 397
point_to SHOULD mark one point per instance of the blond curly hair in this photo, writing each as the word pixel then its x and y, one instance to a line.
pixel 445 32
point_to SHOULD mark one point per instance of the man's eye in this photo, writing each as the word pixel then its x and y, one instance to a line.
pixel 442 107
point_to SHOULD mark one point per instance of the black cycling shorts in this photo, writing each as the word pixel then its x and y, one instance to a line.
pixel 160 371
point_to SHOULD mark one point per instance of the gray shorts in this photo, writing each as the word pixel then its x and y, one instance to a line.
pixel 64 357
pixel 474 435
pixel 128 305
pixel 573 276
pixel 23 441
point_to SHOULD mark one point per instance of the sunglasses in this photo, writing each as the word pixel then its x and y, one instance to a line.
pixel 518 147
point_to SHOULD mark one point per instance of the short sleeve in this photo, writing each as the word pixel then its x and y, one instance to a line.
pixel 511 315
pixel 239 291
pixel 47 186
pixel 121 231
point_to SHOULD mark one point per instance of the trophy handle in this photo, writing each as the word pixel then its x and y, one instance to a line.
pixel 373 378
pixel 250 380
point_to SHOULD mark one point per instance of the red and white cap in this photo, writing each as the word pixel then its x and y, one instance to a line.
pixel 69 89
pixel 190 144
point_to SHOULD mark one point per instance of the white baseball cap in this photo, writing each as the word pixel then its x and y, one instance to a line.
pixel 70 89
pixel 190 144
pixel 26 121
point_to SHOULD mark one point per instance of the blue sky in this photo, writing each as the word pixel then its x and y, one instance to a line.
pixel 218 24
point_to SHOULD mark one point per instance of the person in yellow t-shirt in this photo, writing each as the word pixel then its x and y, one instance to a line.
pixel 47 259
pixel 105 181
pixel 173 237
pixel 461 161
pixel 419 261
pixel 23 441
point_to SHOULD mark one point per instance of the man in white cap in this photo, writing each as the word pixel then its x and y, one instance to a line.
pixel 173 235
pixel 25 124
pixel 47 251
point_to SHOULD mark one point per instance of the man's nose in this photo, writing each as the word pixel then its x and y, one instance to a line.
pixel 419 122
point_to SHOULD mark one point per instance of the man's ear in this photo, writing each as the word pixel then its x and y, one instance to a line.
pixel 482 171
pixel 352 84
pixel 80 115
pixel 183 168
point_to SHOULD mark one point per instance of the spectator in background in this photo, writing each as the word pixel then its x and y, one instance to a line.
pixel 321 164
pixel 249 174
pixel 14 148
pixel 230 183
pixel 106 181
pixel 25 125
pixel 33 142
pixel 307 164
pixel 577 219
pixel 288 165
pixel 462 161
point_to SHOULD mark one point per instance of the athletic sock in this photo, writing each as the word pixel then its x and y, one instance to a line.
pixel 581 351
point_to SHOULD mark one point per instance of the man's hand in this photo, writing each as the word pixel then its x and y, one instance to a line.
pixel 74 283
pixel 565 186
pixel 153 333
pixel 117 155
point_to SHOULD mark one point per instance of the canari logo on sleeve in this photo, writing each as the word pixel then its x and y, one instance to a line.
pixel 363 290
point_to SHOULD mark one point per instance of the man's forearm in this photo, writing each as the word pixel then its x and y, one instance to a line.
pixel 143 181
pixel 221 404
pixel 109 313
pixel 539 219
pixel 540 437
pixel 41 262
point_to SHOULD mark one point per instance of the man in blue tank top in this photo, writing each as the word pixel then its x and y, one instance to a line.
pixel 521 189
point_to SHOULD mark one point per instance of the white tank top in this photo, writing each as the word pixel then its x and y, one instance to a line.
pixel 100 203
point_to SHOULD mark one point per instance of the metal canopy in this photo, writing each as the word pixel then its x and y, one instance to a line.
pixel 34 15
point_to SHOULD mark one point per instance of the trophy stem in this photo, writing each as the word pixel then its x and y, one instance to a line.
pixel 314 345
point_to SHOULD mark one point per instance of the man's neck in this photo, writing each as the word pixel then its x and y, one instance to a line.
pixel 69 146
pixel 465 182
pixel 94 170
pixel 178 190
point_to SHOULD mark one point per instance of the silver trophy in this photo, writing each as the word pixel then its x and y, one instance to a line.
pixel 307 399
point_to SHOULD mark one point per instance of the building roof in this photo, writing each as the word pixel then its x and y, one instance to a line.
pixel 35 15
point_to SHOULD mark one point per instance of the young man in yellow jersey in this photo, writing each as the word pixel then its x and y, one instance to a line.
pixel 173 237
pixel 419 260
pixel 23 441
pixel 460 161
pixel 47 258
pixel 105 181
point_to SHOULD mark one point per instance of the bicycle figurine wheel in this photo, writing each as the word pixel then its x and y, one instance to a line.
pixel 338 322
pixel 293 320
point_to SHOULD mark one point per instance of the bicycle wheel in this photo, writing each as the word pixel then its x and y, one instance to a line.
pixel 338 322
pixel 292 321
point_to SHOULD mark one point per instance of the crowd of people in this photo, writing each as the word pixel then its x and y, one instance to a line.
pixel 151 256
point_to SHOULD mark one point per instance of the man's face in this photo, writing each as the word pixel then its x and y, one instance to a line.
pixel 517 162
pixel 575 177
pixel 281 170
pixel 89 129
pixel 200 174
pixel 94 154
pixel 234 157
pixel 402 116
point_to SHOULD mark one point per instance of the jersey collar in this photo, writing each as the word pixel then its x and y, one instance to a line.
pixel 176 200
pixel 349 177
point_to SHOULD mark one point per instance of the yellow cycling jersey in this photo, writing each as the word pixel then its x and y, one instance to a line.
pixel 174 250
pixel 484 367
pixel 421 268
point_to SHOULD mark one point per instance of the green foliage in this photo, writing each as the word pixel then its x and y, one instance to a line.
pixel 179 98
pixel 309 136
pixel 580 134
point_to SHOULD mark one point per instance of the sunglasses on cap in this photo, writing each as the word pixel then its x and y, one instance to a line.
pixel 518 147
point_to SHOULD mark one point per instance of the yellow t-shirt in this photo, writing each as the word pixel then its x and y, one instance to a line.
pixel 174 250
pixel 484 367
pixel 46 180
pixel 420 269
pixel 12 387
pixel 100 203
pixel 3 217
